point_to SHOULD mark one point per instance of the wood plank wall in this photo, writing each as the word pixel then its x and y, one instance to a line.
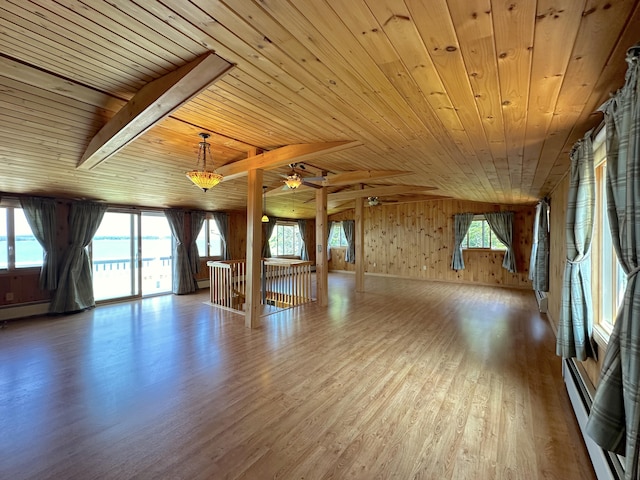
pixel 557 262
pixel 415 240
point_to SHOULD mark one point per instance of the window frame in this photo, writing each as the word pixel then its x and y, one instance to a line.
pixel 465 240
pixel 10 226
pixel 206 230
pixel 297 246
pixel 606 293
pixel 341 236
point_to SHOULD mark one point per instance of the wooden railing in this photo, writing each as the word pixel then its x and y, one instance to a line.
pixel 284 283
pixel 227 283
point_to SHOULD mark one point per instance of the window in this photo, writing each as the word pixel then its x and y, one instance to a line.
pixel 18 246
pixel 337 238
pixel 609 279
pixel 480 235
pixel 285 240
pixel 209 240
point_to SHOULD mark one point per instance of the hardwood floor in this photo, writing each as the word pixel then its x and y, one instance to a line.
pixel 409 380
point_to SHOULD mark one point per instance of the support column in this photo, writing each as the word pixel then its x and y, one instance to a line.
pixel 359 246
pixel 254 248
pixel 322 264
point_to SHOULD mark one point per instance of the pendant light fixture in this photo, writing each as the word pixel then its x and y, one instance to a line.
pixel 204 179
pixel 265 219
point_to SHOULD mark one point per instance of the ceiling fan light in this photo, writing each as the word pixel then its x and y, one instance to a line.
pixel 293 181
pixel 204 179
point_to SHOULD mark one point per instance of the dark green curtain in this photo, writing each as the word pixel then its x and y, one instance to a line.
pixel 75 283
pixel 41 216
pixel 183 281
pixel 197 220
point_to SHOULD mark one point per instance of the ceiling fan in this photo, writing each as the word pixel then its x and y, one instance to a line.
pixel 293 179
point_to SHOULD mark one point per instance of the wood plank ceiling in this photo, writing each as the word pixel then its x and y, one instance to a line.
pixel 481 100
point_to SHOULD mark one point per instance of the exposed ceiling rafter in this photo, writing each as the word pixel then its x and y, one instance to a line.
pixel 154 102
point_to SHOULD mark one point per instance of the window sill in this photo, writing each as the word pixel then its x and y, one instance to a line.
pixel 482 249
pixel 601 336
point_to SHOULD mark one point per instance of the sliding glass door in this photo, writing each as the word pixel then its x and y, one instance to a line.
pixel 114 253
pixel 157 250
pixel 131 255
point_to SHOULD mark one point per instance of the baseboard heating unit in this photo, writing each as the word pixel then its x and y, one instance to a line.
pixel 607 465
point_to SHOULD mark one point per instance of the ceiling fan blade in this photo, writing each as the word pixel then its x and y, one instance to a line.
pixel 359 176
pixel 308 184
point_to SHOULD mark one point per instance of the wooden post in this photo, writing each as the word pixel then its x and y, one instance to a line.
pixel 322 264
pixel 359 246
pixel 254 248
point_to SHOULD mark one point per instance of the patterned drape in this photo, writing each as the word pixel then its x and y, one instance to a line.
pixel 539 264
pixel 462 222
pixel 75 283
pixel 183 281
pixel 41 216
pixel 304 251
pixel 576 313
pixel 614 421
pixel 501 223
pixel 197 220
pixel 349 228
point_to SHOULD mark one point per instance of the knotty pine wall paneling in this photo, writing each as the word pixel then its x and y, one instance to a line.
pixel 415 240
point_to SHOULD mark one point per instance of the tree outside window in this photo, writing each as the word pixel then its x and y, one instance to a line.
pixel 480 235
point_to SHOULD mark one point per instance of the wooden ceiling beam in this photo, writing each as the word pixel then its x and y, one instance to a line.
pixel 152 103
pixel 283 156
pixel 377 192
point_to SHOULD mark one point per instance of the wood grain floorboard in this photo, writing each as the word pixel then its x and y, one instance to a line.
pixel 409 380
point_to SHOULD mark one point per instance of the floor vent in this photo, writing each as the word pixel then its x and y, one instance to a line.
pixel 607 465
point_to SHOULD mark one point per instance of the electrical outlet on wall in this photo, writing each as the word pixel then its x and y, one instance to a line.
pixel 8 296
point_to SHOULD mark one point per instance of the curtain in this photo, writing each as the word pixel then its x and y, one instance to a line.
pixel 330 227
pixel 267 231
pixel 539 264
pixel 183 281
pixel 41 216
pixel 462 223
pixel 534 241
pixel 75 283
pixel 222 222
pixel 304 251
pixel 576 315
pixel 501 223
pixel 349 228
pixel 614 420
pixel 197 220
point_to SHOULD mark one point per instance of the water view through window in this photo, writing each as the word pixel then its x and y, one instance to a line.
pixel 131 255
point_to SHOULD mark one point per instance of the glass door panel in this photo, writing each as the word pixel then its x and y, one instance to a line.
pixel 114 253
pixel 157 250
